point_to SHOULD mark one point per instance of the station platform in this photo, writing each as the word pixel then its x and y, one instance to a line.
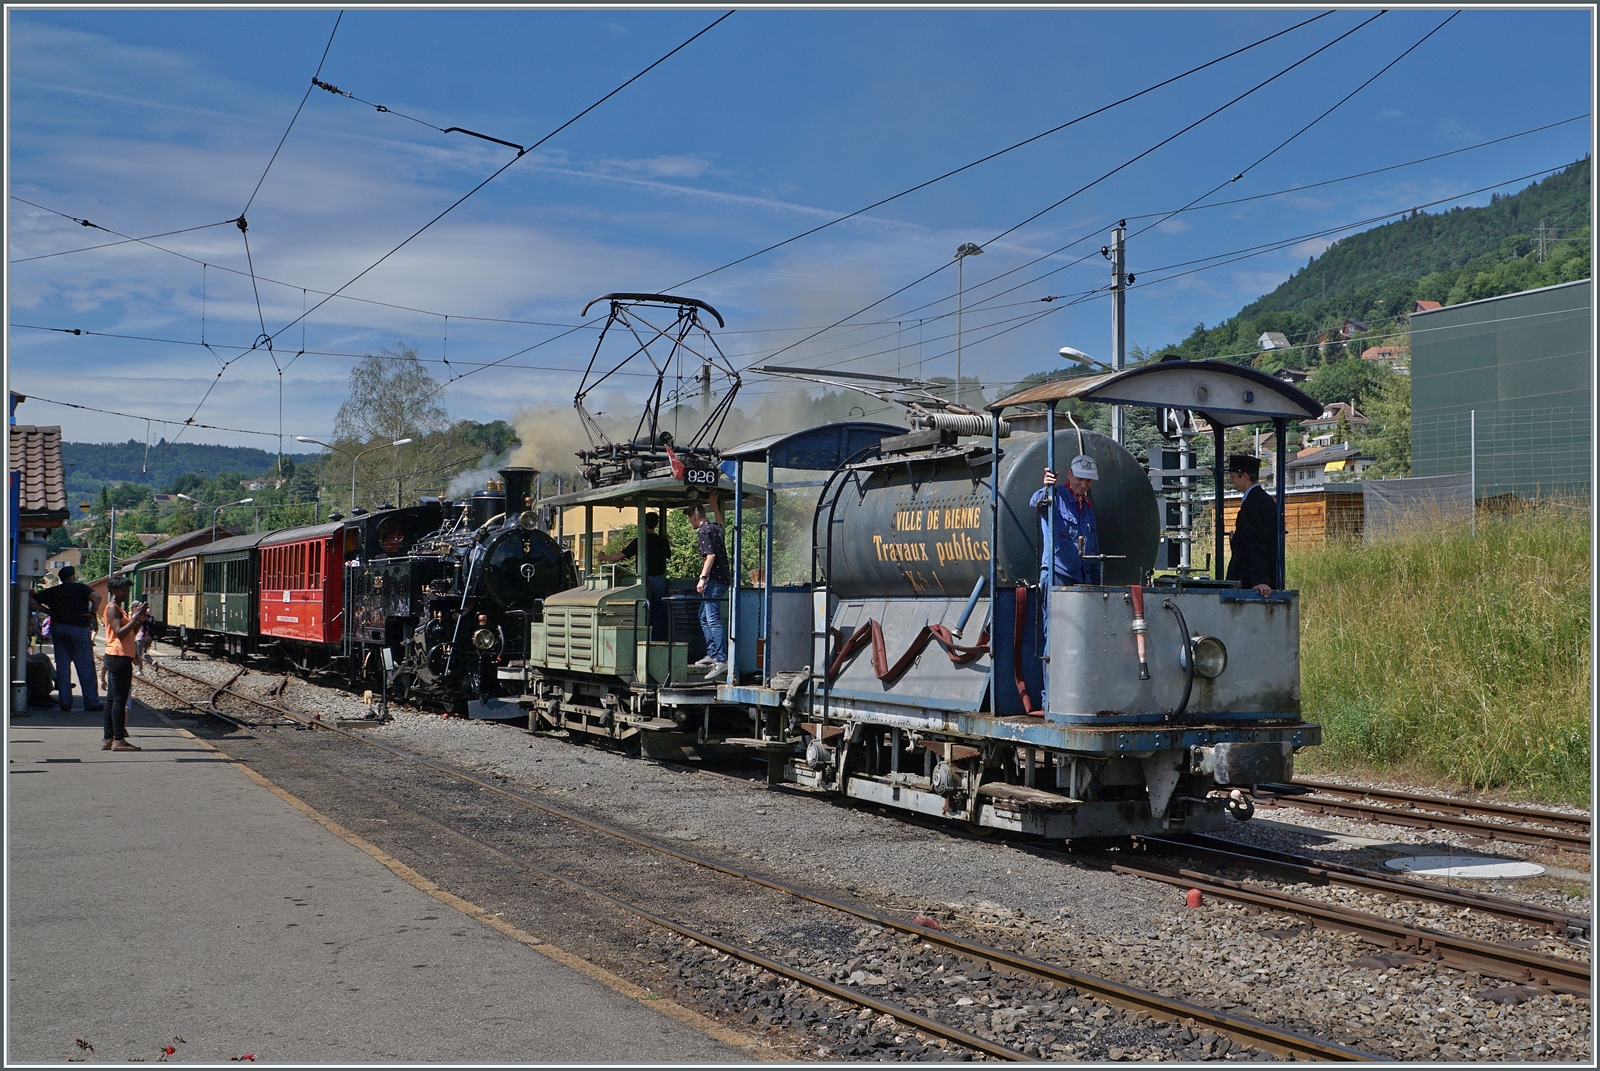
pixel 165 894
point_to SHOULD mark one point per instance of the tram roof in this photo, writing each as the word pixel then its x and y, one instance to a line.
pixel 1223 394
pixel 824 447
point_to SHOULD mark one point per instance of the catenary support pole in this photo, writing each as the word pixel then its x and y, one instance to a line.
pixel 1281 426
pixel 1119 323
pixel 1217 467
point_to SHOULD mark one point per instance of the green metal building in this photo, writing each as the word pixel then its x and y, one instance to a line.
pixel 1501 388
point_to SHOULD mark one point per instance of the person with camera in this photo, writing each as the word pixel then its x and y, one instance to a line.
pixel 122 626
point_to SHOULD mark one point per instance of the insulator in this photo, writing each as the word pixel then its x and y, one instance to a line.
pixel 965 424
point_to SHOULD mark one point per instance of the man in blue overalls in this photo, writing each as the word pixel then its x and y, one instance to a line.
pixel 1075 522
pixel 1074 519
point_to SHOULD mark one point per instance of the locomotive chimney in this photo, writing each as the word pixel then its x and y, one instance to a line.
pixel 518 483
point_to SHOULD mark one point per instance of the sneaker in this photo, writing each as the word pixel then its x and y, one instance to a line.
pixel 706 661
pixel 716 669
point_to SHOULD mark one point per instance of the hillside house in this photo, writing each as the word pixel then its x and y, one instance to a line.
pixel 1424 305
pixel 1292 376
pixel 1388 356
pixel 1320 432
pixel 1273 340
pixel 1317 465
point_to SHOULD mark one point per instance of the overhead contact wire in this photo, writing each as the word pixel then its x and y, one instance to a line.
pixel 1001 152
pixel 508 164
pixel 292 119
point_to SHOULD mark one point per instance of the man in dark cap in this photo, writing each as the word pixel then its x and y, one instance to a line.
pixel 1254 546
pixel 73 608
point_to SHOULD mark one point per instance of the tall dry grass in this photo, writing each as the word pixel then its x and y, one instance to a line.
pixel 1461 657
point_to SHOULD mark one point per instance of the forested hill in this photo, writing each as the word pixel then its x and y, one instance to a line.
pixel 1375 277
pixel 1425 243
pixel 93 464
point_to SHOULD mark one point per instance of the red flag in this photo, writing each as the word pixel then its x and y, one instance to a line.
pixel 677 466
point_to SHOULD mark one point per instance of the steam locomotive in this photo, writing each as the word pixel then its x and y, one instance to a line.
pixel 433 600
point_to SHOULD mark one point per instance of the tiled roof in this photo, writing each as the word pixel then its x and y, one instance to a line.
pixel 178 543
pixel 36 454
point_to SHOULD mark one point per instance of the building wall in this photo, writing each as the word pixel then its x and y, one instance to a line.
pixel 1524 364
pixel 1315 516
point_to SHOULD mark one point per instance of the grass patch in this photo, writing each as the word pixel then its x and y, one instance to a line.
pixel 1464 658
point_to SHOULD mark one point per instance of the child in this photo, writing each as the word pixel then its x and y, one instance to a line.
pixel 142 644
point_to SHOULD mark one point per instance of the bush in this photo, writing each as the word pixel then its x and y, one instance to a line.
pixel 1455 657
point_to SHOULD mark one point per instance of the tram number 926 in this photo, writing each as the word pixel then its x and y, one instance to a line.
pixel 700 476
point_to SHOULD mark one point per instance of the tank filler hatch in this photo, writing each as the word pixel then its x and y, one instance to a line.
pixel 680 420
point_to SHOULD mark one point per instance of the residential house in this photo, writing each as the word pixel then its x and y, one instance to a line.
pixel 1320 432
pixel 1273 340
pixel 1427 306
pixel 1292 376
pixel 1388 356
pixel 64 557
pixel 1318 465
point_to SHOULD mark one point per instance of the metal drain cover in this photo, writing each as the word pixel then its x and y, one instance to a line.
pixel 1464 866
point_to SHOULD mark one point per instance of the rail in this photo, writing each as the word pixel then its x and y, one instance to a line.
pixel 1264 1036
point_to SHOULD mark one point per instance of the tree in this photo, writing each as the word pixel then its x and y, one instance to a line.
pixel 1349 380
pixel 393 397
pixel 1389 440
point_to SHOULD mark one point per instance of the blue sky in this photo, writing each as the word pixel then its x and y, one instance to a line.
pixel 771 123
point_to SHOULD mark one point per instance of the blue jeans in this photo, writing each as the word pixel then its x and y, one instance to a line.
pixel 657 586
pixel 711 620
pixel 74 647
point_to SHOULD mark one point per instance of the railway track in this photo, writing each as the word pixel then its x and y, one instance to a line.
pixel 1462 953
pixel 1240 1029
pixel 1568 832
pixel 1298 868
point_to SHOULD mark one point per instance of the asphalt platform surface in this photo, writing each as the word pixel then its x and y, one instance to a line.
pixel 164 894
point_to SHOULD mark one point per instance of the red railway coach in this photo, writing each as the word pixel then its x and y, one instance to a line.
pixel 302 585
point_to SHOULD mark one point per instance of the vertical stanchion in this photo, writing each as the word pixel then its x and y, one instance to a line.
pixel 1281 426
pixel 1472 453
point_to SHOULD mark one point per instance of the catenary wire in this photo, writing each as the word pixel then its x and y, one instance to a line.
pixel 506 166
pixel 106 245
pixel 1001 152
pixel 292 119
pixel 1292 137
pixel 1213 113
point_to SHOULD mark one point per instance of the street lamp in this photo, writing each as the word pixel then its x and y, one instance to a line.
pixel 353 458
pixel 1071 354
pixel 963 251
pixel 216 518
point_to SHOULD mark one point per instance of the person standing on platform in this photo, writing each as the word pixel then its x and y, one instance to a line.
pixel 121 628
pixel 1077 536
pixel 712 586
pixel 73 608
pixel 1253 547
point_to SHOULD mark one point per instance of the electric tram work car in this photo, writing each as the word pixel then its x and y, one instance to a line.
pixel 939 676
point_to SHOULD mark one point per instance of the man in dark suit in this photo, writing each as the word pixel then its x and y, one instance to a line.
pixel 1254 545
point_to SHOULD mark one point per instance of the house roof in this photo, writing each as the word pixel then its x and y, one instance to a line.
pixel 1334 410
pixel 42 487
pixel 1424 305
pixel 1378 353
pixel 1326 455
pixel 177 543
pixel 1273 340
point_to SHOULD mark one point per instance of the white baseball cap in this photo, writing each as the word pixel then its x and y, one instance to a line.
pixel 1084 468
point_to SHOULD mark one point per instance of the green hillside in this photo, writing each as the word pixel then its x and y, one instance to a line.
pixel 1377 275
pixel 92 465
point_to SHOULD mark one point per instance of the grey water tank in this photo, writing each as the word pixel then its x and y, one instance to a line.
pixel 919 526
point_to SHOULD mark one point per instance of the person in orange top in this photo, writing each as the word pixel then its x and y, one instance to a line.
pixel 121 630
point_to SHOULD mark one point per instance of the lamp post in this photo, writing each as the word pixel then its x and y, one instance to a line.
pixel 353 458
pixel 216 517
pixel 965 250
pixel 1068 353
